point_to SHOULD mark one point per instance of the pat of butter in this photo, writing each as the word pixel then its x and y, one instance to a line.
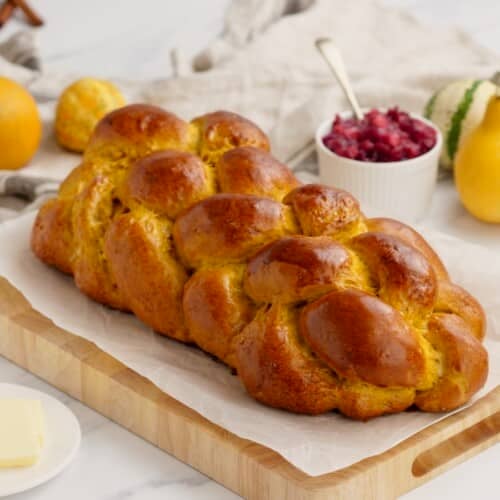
pixel 22 430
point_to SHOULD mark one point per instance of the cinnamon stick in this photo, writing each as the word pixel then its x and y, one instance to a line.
pixel 33 18
pixel 6 11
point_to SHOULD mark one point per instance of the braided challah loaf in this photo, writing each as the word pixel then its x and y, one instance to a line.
pixel 200 232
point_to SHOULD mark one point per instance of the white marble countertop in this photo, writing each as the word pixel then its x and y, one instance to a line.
pixel 83 37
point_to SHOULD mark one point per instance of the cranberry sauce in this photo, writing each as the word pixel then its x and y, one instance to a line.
pixel 380 136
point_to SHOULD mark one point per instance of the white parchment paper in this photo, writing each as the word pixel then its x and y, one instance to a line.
pixel 316 445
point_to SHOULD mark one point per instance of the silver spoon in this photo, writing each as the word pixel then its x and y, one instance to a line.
pixel 331 54
pixel 333 58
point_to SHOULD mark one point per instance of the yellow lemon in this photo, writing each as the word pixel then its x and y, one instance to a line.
pixel 477 166
pixel 80 108
pixel 20 125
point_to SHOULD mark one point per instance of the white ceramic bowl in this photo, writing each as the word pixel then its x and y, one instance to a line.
pixel 400 189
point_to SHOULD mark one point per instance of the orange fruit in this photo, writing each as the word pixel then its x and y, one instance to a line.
pixel 80 108
pixel 20 125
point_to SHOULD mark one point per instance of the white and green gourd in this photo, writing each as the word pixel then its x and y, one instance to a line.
pixel 457 109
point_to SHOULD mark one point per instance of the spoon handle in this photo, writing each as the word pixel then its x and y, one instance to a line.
pixel 333 58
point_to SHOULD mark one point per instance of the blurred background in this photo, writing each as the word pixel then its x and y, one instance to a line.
pixel 133 38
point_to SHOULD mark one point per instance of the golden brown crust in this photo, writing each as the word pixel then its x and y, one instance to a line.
pixel 168 182
pixel 361 401
pixel 324 210
pixel 404 277
pixel 52 235
pixel 216 309
pixel 92 212
pixel 412 238
pixel 150 280
pixel 221 131
pixel 136 130
pixel 352 314
pixel 228 228
pixel 295 268
pixel 77 180
pixel 249 170
pixel 465 365
pixel 277 369
pixel 362 338
pixel 454 299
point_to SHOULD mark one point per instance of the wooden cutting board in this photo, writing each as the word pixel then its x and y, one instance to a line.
pixel 80 369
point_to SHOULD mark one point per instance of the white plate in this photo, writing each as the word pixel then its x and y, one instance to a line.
pixel 62 441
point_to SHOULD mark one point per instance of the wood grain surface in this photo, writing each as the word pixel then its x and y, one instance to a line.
pixel 82 370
